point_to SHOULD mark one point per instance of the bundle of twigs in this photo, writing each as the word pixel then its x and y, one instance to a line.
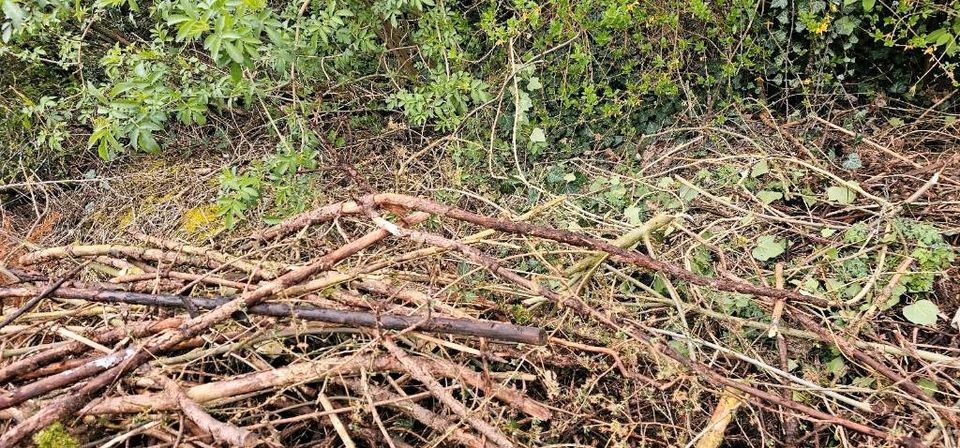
pixel 65 379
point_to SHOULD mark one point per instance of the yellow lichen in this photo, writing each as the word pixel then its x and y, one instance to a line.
pixel 201 221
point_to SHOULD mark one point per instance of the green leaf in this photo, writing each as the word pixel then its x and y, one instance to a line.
pixel 759 169
pixel 234 52
pixel 929 386
pixel 767 197
pixel 921 312
pixel 537 136
pixel 569 177
pixel 148 143
pixel 632 213
pixel 13 12
pixel 842 195
pixel 868 5
pixel 768 246
pixel 534 84
pixel 836 367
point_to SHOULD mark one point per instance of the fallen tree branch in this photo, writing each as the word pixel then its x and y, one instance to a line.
pixel 220 431
pixel 464 327
pixel 26 307
pixel 36 361
pixel 308 372
pixel 139 253
pixel 263 270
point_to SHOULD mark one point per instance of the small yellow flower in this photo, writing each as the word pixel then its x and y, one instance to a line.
pixel 822 27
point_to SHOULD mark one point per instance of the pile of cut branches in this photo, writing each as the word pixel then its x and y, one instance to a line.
pixel 281 355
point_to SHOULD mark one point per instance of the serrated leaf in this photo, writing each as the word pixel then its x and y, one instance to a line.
pixel 842 195
pixel 235 54
pixel 767 196
pixel 537 136
pixel 768 246
pixel 148 144
pixel 921 312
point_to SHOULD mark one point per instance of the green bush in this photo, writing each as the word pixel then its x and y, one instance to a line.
pixel 123 73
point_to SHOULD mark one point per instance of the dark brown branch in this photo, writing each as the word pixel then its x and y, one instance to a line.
pixel 41 295
pixel 34 362
pixel 464 327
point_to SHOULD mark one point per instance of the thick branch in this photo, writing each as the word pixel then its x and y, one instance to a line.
pixel 465 327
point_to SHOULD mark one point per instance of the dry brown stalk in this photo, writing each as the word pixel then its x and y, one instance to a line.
pixel 422 375
pixel 220 431
pixel 34 362
pixel 134 252
pixel 420 413
pixel 264 270
pixel 209 279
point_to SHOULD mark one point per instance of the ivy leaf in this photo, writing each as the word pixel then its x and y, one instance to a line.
pixel 767 196
pixel 921 312
pixel 632 213
pixel 768 246
pixel 13 12
pixel 868 5
pixel 537 136
pixel 759 169
pixel 929 386
pixel 842 195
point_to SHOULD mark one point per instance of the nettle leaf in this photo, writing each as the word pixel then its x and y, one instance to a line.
pixel 921 312
pixel 767 196
pixel 842 195
pixel 537 136
pixel 768 246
